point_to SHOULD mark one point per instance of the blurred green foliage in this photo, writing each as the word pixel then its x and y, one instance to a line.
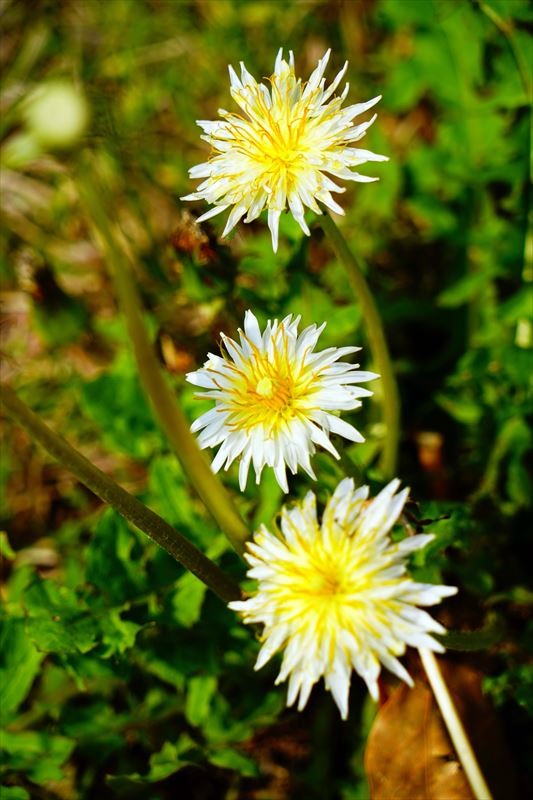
pixel 121 675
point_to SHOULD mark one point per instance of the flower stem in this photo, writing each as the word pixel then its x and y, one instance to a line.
pixel 124 503
pixel 454 725
pixel 377 341
pixel 165 406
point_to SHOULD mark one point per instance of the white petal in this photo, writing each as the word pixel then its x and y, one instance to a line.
pixel 251 329
pixel 233 218
pixel 337 425
pixel 273 223
pixel 212 213
pixel 339 686
pixel 360 108
pixel 281 475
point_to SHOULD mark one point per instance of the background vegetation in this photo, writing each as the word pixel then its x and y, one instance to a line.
pixel 121 675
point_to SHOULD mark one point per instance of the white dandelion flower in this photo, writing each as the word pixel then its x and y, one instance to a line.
pixel 276 398
pixel 276 153
pixel 336 597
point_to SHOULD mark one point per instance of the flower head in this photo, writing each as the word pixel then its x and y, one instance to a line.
pixel 274 396
pixel 278 150
pixel 336 597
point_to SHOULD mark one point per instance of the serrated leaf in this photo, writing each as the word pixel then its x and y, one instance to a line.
pixel 56 621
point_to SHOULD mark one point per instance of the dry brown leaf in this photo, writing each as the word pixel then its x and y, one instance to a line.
pixel 409 755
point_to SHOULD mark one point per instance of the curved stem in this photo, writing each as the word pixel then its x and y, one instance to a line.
pixel 165 406
pixel 124 503
pixel 455 727
pixel 377 341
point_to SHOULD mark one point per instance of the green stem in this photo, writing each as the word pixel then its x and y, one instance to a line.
pixel 506 28
pixel 454 725
pixel 124 503
pixel 377 341
pixel 166 408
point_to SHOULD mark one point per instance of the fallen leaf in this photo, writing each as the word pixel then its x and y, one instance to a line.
pixel 409 755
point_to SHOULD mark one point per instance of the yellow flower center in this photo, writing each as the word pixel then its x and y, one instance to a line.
pixel 326 580
pixel 318 594
pixel 275 393
pixel 276 136
pixel 331 584
pixel 269 390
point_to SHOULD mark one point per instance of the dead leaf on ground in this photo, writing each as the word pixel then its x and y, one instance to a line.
pixel 409 755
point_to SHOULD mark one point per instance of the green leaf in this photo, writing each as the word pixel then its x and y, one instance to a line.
pixel 514 436
pixel 14 793
pixel 515 684
pixel 19 665
pixel 467 288
pixel 172 499
pixel 63 634
pixel 5 548
pixel 228 723
pixel 432 216
pixel 38 754
pixel 57 622
pixel 517 594
pixel 168 760
pixel 173 658
pixel 162 668
pixel 519 306
pixel 118 635
pixel 465 410
pixel 409 12
pixel 116 402
pixel 200 690
pixel 164 763
pixel 232 759
pixel 166 482
pixel 116 559
pixel 187 600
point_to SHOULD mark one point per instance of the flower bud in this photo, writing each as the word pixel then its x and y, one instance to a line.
pixel 56 114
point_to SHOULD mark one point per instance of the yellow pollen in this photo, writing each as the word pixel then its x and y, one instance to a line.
pixel 321 583
pixel 266 392
pixel 331 585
